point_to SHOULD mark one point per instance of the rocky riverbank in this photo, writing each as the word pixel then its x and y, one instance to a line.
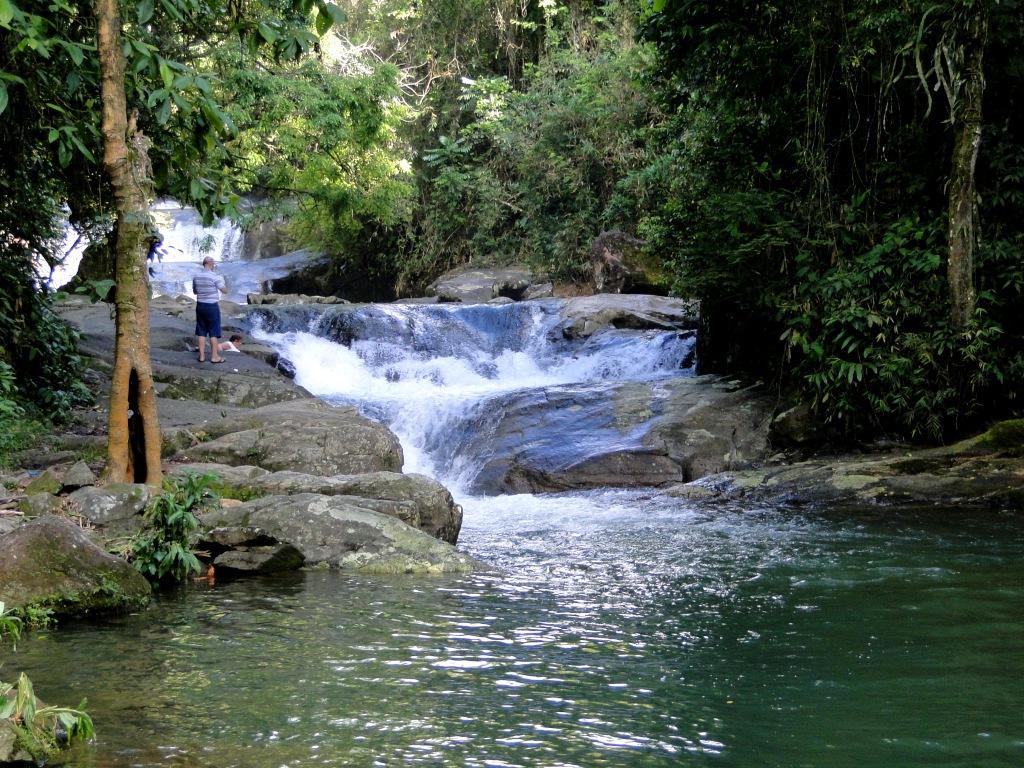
pixel 306 484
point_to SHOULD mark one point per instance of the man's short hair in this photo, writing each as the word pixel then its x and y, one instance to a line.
pixel 207 260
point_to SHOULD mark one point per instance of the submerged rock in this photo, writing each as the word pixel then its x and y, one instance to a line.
pixel 51 564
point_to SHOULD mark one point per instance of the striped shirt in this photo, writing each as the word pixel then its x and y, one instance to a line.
pixel 206 286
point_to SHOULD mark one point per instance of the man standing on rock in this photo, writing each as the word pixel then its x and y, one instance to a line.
pixel 208 286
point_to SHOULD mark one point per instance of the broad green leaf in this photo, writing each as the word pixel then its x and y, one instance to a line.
pixel 76 53
pixel 3 96
pixel 164 113
pixel 166 74
pixel 82 148
pixel 155 96
pixel 323 23
pixel 267 33
pixel 145 11
pixel 6 12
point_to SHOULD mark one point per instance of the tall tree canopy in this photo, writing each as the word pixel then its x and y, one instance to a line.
pixel 825 192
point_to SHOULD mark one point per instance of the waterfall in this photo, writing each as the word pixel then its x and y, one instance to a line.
pixel 186 241
pixel 448 379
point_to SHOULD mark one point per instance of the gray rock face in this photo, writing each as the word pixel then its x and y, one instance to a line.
pixel 303 436
pixel 338 532
pixel 117 507
pixel 78 476
pixel 639 434
pixel 44 482
pixel 250 549
pixel 938 476
pixel 51 563
pixel 416 500
pixel 285 299
pixel 477 286
pixel 586 315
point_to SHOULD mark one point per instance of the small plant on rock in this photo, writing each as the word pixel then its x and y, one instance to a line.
pixel 42 730
pixel 10 625
pixel 162 552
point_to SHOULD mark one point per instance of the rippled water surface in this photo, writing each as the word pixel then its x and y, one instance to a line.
pixel 620 630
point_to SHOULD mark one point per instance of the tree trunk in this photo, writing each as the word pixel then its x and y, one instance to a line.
pixel 966 144
pixel 133 443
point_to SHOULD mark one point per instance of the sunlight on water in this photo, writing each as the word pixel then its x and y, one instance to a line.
pixel 740 638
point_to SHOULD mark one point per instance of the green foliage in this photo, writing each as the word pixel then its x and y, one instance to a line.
pixel 10 625
pixel 536 173
pixel 162 551
pixel 797 187
pixel 42 730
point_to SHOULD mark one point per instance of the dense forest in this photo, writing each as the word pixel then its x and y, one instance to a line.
pixel 839 183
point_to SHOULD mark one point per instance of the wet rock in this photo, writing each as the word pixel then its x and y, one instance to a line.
pixel 249 549
pixel 50 563
pixel 339 533
pixel 656 433
pixel 115 507
pixel 284 299
pixel 303 436
pixel 946 476
pixel 78 476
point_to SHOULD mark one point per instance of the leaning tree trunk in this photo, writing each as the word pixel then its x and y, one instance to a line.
pixel 133 443
pixel 966 144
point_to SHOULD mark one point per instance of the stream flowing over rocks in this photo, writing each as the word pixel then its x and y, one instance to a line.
pixel 347 428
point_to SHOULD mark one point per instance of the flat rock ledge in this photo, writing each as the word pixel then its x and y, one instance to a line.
pixel 972 473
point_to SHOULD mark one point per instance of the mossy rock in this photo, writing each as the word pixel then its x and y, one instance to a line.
pixel 1006 437
pixel 50 564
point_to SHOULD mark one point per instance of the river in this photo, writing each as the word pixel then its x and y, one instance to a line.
pixel 621 627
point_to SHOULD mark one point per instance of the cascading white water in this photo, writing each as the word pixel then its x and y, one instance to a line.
pixel 186 241
pixel 442 377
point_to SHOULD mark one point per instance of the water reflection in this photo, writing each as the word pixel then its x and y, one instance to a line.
pixel 740 638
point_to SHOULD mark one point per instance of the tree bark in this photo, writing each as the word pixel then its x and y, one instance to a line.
pixel 133 442
pixel 967 125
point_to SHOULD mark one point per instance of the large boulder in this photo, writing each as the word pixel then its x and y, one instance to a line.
pixel 584 316
pixel 341 532
pixel 652 434
pixel 618 264
pixel 116 508
pixel 301 436
pixel 51 564
pixel 414 499
pixel 473 286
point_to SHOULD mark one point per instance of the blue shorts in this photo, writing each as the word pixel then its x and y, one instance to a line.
pixel 208 320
